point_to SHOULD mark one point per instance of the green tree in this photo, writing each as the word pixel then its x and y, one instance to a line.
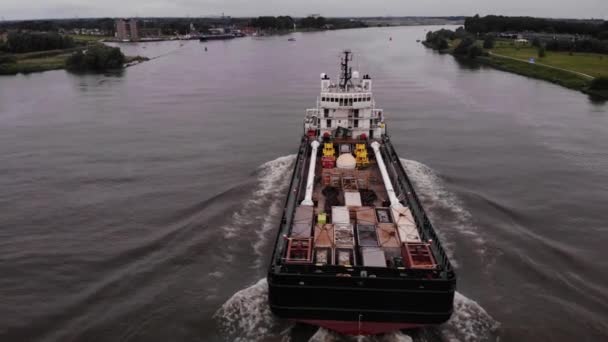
pixel 7 59
pixel 97 58
pixel 542 51
pixel 489 42
pixel 599 83
pixel 312 22
pixel 20 42
pixel 463 48
pixel 474 51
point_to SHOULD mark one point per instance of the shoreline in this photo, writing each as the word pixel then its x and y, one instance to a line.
pixel 566 78
pixel 42 61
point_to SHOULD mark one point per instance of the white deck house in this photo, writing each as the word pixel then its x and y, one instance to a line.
pixel 348 104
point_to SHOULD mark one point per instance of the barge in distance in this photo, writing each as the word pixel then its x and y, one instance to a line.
pixel 355 252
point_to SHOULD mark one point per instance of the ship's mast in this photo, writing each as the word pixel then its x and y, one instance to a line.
pixel 347 72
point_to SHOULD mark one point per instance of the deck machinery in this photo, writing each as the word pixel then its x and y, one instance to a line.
pixel 355 251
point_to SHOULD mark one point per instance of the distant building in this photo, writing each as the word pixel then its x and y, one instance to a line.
pixel 126 29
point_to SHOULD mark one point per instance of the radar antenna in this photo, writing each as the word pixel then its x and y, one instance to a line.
pixel 347 72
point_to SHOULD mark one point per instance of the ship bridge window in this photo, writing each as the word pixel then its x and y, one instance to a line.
pixel 350 101
pixel 323 99
pixel 326 112
pixel 341 102
pixel 328 123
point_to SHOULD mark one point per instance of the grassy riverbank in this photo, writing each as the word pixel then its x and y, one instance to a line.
pixel 571 70
pixel 37 61
pixel 26 63
pixel 592 64
pixel 89 39
pixel 561 77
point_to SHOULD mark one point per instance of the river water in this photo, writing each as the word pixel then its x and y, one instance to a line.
pixel 142 206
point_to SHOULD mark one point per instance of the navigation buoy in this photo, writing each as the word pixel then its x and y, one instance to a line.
pixel 205 48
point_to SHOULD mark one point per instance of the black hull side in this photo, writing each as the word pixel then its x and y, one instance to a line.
pixel 307 292
pixel 352 299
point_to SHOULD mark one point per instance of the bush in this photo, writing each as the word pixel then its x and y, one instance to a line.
pixel 468 47
pixel 438 40
pixel 21 42
pixel 96 58
pixel 599 83
pixel 474 51
pixel 460 33
pixel 463 48
pixel 489 41
pixel 7 59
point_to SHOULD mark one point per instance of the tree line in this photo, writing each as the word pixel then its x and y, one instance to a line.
pixel 283 23
pixel 21 42
pixel 97 58
pixel 494 23
pixel 467 46
pixel 170 26
pixel 578 45
pixel 54 25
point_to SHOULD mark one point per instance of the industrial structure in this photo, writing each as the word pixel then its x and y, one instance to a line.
pixel 127 30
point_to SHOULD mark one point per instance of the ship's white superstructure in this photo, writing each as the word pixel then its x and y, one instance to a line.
pixel 347 104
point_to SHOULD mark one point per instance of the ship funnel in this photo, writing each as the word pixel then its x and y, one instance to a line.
pixel 387 181
pixel 311 174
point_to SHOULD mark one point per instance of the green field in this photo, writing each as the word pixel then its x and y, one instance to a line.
pixel 34 65
pixel 88 39
pixel 592 64
pixel 564 78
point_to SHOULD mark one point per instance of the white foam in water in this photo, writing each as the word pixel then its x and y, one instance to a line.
pixel 438 201
pixel 247 317
pixel 263 207
pixel 274 181
pixel 470 322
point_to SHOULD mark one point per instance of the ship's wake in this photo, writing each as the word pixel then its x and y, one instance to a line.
pixel 258 214
pixel 445 210
pixel 246 315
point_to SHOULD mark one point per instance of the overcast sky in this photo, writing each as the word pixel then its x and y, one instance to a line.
pixel 20 9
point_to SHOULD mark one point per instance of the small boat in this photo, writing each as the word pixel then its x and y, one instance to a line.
pixel 291 39
pixel 417 40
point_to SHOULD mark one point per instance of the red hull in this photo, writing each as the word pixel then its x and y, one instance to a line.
pixel 360 328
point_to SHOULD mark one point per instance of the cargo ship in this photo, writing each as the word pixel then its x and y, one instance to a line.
pixel 355 251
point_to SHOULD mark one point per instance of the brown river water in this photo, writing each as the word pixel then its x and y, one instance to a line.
pixel 142 206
